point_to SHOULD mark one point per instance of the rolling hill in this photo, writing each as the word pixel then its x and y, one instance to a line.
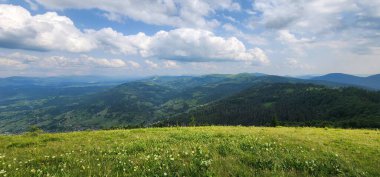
pixel 289 104
pixel 371 82
pixel 140 103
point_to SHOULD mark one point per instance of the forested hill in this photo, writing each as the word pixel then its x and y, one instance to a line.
pixel 146 101
pixel 370 82
pixel 289 104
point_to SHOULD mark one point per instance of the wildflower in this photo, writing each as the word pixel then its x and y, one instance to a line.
pixel 2 171
pixel 33 170
pixel 165 174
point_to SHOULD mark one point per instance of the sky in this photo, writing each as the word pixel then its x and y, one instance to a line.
pixel 178 37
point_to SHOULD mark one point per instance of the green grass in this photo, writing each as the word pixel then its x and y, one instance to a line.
pixel 194 151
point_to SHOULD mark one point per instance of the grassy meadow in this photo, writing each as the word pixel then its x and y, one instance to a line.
pixel 194 151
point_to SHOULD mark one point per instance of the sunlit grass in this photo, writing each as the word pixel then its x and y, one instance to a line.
pixel 194 151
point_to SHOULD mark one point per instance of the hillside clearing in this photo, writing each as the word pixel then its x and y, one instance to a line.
pixel 194 151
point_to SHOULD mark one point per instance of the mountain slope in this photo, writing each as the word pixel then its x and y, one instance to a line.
pixel 372 82
pixel 133 103
pixel 141 102
pixel 291 104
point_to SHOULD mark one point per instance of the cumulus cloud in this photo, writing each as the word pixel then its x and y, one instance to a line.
pixel 295 64
pixel 296 44
pixel 151 64
pixel 183 44
pixel 177 13
pixel 10 64
pixel 322 22
pixel 315 15
pixel 319 16
pixel 49 31
pixel 286 36
pixel 102 62
pixel 199 45
pixel 170 64
pixel 24 61
pixel 133 64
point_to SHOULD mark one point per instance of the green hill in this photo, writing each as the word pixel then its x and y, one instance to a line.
pixel 199 151
pixel 290 104
pixel 132 103
pixel 136 103
pixel 371 82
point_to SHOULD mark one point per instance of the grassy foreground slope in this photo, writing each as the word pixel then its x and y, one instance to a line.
pixel 194 151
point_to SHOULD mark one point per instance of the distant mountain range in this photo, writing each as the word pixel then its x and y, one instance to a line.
pixel 370 82
pixel 64 105
pixel 288 104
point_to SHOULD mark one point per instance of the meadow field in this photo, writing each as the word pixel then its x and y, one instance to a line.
pixel 193 151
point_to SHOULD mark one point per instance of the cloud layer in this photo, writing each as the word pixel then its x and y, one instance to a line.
pixel 183 44
pixel 23 61
pixel 49 31
pixel 175 36
pixel 176 13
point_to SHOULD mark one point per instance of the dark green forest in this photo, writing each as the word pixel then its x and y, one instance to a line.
pixel 241 99
pixel 289 105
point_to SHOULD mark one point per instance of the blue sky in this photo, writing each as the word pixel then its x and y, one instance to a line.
pixel 174 37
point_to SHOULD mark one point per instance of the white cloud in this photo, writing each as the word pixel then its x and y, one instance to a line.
pixel 286 36
pixel 133 64
pixel 204 66
pixel 18 59
pixel 102 62
pixel 49 31
pixel 170 64
pixel 10 64
pixel 177 13
pixel 116 42
pixel 319 16
pixel 113 17
pixel 151 64
pixel 297 45
pixel 182 44
pixel 295 64
pixel 314 15
pixel 321 22
pixel 230 28
pixel 199 45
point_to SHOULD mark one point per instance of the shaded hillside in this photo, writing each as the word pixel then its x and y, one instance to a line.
pixel 372 82
pixel 290 104
pixel 133 103
pixel 141 102
pixel 144 102
pixel 30 88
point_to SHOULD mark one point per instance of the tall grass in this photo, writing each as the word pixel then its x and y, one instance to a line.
pixel 194 151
